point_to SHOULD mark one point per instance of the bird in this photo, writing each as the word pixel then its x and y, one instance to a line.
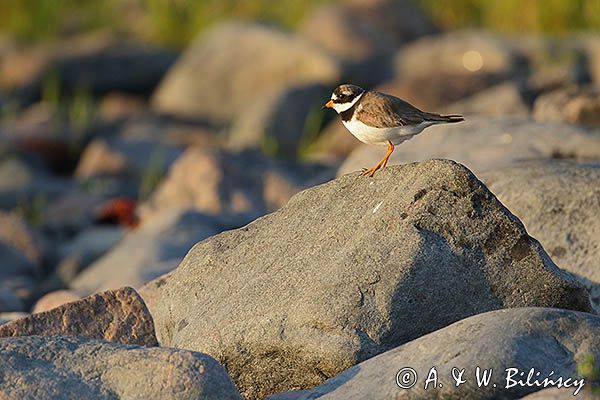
pixel 381 119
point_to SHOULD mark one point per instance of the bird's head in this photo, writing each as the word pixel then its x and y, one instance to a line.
pixel 344 97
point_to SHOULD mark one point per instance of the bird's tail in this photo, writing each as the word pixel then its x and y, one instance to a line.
pixel 451 118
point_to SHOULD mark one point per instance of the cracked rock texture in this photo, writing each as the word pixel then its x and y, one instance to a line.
pixel 351 269
pixel 115 316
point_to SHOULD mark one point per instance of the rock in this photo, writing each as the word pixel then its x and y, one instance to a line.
pixel 9 301
pixel 550 394
pixel 557 200
pixel 11 316
pixel 124 157
pixel 364 34
pixel 438 70
pixel 507 98
pixel 353 268
pixel 86 247
pixel 115 316
pixel 79 368
pixel 239 63
pixel 15 232
pixel 116 106
pixel 279 123
pixel 214 181
pixel 334 143
pixel 15 263
pixel 575 105
pixel 143 254
pixel 54 299
pixel 99 63
pixel 540 338
pixel 554 62
pixel 487 143
pixel 25 184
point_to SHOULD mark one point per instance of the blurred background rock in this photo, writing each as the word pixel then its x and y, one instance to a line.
pixel 132 129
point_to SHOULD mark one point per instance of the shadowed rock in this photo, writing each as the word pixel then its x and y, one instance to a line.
pixel 350 269
pixel 115 316
pixel 544 339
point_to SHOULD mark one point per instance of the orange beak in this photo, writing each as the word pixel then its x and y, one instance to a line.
pixel 329 104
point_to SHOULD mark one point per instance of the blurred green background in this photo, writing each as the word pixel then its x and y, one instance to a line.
pixel 174 23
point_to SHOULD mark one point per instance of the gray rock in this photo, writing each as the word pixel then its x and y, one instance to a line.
pixel 126 157
pixel 487 143
pixel 575 105
pixel 438 70
pixel 153 249
pixel 11 315
pixel 540 338
pixel 350 269
pixel 9 301
pixel 237 63
pixel 279 123
pixel 17 233
pixel 85 248
pixel 365 34
pixel 557 200
pixel 37 367
pixel 97 62
pixel 508 98
pixel 115 316
pixel 551 394
pixel 215 181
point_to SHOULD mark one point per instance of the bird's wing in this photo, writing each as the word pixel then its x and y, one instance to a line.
pixel 384 111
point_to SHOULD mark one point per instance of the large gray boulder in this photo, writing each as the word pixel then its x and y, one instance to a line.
pixel 440 69
pixel 350 269
pixel 366 34
pixel 215 181
pixel 557 200
pixel 226 69
pixel 540 338
pixel 487 143
pixel 280 123
pixel 153 249
pixel 98 62
pixel 36 367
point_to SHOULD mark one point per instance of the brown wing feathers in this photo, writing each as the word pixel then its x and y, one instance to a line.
pixel 383 111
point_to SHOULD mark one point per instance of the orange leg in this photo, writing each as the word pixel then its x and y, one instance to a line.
pixel 382 163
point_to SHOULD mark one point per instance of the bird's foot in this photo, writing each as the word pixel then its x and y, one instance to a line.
pixel 370 172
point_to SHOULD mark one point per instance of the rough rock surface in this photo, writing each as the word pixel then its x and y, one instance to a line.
pixel 115 316
pixel 38 367
pixel 486 143
pixel 541 338
pixel 559 204
pixel 153 249
pixel 575 105
pixel 239 62
pixel 350 269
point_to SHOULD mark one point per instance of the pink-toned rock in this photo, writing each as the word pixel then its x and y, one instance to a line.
pixel 55 299
pixel 115 316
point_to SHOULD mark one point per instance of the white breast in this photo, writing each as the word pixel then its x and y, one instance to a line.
pixel 370 135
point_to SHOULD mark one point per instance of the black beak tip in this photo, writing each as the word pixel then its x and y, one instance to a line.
pixel 324 107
